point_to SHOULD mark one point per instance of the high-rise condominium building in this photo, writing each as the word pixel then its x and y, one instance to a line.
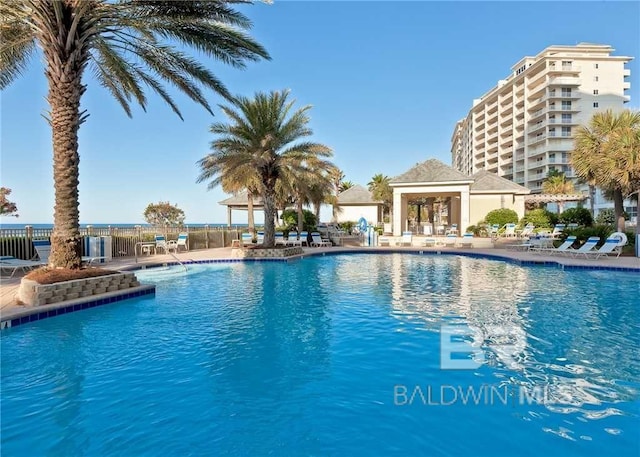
pixel 524 127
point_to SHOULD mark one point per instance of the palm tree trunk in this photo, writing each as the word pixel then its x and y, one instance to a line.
pixel 316 211
pixel 592 199
pixel 300 215
pixel 269 197
pixel 250 219
pixel 618 207
pixel 64 75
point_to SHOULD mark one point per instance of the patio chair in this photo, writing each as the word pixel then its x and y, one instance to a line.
pixel 527 231
pixel 318 241
pixel 161 243
pixel 467 240
pixel 453 230
pixel 280 238
pixel 260 238
pixel 508 230
pixel 406 240
pixel 560 249
pixel 572 226
pixel 181 241
pixel 588 245
pixel 612 245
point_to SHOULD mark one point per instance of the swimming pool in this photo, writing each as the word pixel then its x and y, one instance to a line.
pixel 336 355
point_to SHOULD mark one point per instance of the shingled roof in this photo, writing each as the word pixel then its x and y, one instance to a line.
pixel 356 195
pixel 241 199
pixel 491 182
pixel 431 170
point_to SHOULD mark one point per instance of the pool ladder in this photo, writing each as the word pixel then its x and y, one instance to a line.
pixel 177 260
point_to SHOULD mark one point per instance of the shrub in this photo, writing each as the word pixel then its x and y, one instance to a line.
pixel 347 226
pixel 478 230
pixel 501 217
pixel 541 218
pixel 608 216
pixel 580 216
pixel 601 230
pixel 290 220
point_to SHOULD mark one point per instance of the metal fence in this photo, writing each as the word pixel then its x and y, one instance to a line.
pixel 18 243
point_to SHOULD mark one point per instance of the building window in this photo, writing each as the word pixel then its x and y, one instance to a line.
pixel 595 78
pixel 566 131
pixel 566 105
pixel 595 104
pixel 552 131
pixel 566 118
pixel 566 92
pixel 595 91
pixel 595 65
pixel 552 119
pixel 566 64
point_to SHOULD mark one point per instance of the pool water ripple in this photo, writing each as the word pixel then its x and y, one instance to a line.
pixel 306 358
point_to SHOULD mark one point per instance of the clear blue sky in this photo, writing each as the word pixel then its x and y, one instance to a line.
pixel 387 81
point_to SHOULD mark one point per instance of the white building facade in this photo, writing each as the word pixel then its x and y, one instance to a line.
pixel 524 127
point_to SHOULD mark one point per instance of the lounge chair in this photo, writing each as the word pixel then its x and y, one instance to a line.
pixel 13 265
pixel 428 242
pixel 467 240
pixel 560 249
pixel 453 230
pixel 572 226
pixel 318 241
pixel 406 240
pixel 450 240
pixel 527 231
pixel 508 230
pixel 43 250
pixel 245 240
pixel 161 243
pixel 493 230
pixel 557 230
pixel 588 245
pixel 181 241
pixel 384 241
pixel 304 238
pixel 260 238
pixel 612 245
pixel 279 237
pixel 292 239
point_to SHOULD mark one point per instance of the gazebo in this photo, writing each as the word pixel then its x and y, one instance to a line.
pixel 240 202
pixel 464 199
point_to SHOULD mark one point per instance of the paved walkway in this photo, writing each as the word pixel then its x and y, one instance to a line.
pixel 9 286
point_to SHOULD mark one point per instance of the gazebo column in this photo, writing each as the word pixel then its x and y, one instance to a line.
pixel 228 216
pixel 399 212
pixel 464 211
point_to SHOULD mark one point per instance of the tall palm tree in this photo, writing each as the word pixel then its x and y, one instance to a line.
pixel 321 191
pixel 382 191
pixel 266 135
pixel 345 185
pixel 603 151
pixel 127 44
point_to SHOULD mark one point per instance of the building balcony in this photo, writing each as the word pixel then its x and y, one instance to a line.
pixel 626 72
pixel 564 69
pixel 564 81
pixel 563 109
pixel 626 85
pixel 537 115
pixel 562 95
pixel 506 123
pixel 563 121
pixel 508 109
pixel 533 129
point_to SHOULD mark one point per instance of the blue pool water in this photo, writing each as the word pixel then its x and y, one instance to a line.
pixel 336 355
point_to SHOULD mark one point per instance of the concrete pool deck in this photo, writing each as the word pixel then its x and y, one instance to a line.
pixel 9 286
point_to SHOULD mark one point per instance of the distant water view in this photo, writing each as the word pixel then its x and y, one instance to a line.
pixel 48 226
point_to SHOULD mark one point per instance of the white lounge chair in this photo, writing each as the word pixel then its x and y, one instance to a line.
pixel 453 230
pixel 467 240
pixel 428 242
pixel 161 243
pixel 406 240
pixel 588 245
pixel 280 238
pixel 260 238
pixel 557 230
pixel 450 240
pixel 181 241
pixel 318 241
pixel 560 249
pixel 292 239
pixel 527 231
pixel 304 238
pixel 612 245
pixel 509 230
pixel 13 265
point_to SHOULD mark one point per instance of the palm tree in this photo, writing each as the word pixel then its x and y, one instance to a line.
pixel 345 185
pixel 337 176
pixel 382 191
pixel 127 44
pixel 321 191
pixel 557 184
pixel 604 152
pixel 265 135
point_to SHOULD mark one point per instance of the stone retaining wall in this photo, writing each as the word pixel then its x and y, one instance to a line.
pixel 266 253
pixel 33 294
